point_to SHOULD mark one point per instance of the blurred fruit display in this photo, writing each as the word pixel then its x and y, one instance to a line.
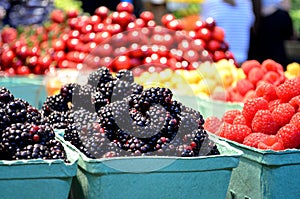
pixel 69 39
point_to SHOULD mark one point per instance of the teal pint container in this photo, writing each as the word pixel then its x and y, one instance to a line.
pixel 30 88
pixel 265 174
pixel 37 179
pixel 155 177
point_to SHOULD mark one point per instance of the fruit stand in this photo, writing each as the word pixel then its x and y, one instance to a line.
pixel 113 105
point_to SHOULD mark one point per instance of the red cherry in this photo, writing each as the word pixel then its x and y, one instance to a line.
pixel 125 6
pixel 199 24
pixel 218 34
pixel 147 16
pixel 94 19
pixel 72 13
pixel 23 70
pixel 210 23
pixel 213 45
pixel 121 62
pixel 204 34
pixel 102 12
pixel 167 18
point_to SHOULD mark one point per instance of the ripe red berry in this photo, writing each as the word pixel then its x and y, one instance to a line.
pixel 290 136
pixel 249 64
pixel 263 122
pixel 271 142
pixel 252 106
pixel 255 75
pixel 295 120
pixel 237 132
pixel 289 89
pixel 283 113
pixel 243 86
pixel 253 139
pixel 295 102
pixel 239 119
pixel 273 104
pixel 267 91
pixel 230 115
pixel 212 124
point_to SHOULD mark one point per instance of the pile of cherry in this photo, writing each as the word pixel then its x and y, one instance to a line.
pixel 115 39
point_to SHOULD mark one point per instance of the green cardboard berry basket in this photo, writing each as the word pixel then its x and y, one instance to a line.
pixel 208 106
pixel 30 88
pixel 37 179
pixel 155 177
pixel 265 174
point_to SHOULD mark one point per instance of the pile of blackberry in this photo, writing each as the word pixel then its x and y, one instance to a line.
pixel 24 133
pixel 113 116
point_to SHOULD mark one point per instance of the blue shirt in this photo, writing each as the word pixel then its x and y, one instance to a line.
pixel 236 22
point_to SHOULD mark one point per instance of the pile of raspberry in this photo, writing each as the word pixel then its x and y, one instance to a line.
pixel 268 120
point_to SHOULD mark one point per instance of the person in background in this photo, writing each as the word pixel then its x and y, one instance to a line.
pixel 275 26
pixel 25 12
pixel 236 17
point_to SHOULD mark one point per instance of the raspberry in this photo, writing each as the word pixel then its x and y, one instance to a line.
pixel 223 129
pixel 290 136
pixel 283 113
pixel 271 65
pixel 230 115
pixel 255 74
pixel 273 104
pixel 252 106
pixel 263 122
pixel 243 86
pixel 239 119
pixel 249 95
pixel 254 138
pixel 271 142
pixel 295 120
pixel 249 64
pixel 271 77
pixel 295 102
pixel 267 91
pixel 289 89
pixel 212 124
pixel 237 132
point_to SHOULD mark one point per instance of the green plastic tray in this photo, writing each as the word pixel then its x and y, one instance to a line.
pixel 29 88
pixel 209 107
pixel 155 177
pixel 37 179
pixel 265 174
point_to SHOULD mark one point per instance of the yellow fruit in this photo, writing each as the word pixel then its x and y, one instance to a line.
pixel 226 77
pixel 166 75
pixel 207 70
pixel 293 69
pixel 193 76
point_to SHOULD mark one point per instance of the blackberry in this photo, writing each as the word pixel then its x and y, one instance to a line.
pixel 56 150
pixel 67 91
pixel 5 95
pixel 125 75
pixel 55 103
pixel 58 120
pixel 101 76
pixel 34 151
pixel 98 100
pixel 17 111
pixel 33 115
pixel 82 97
pixel 118 127
pixel 13 137
pixel 4 120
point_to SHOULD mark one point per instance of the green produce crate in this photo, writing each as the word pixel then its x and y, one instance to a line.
pixel 265 174
pixel 29 88
pixel 37 179
pixel 209 107
pixel 155 177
